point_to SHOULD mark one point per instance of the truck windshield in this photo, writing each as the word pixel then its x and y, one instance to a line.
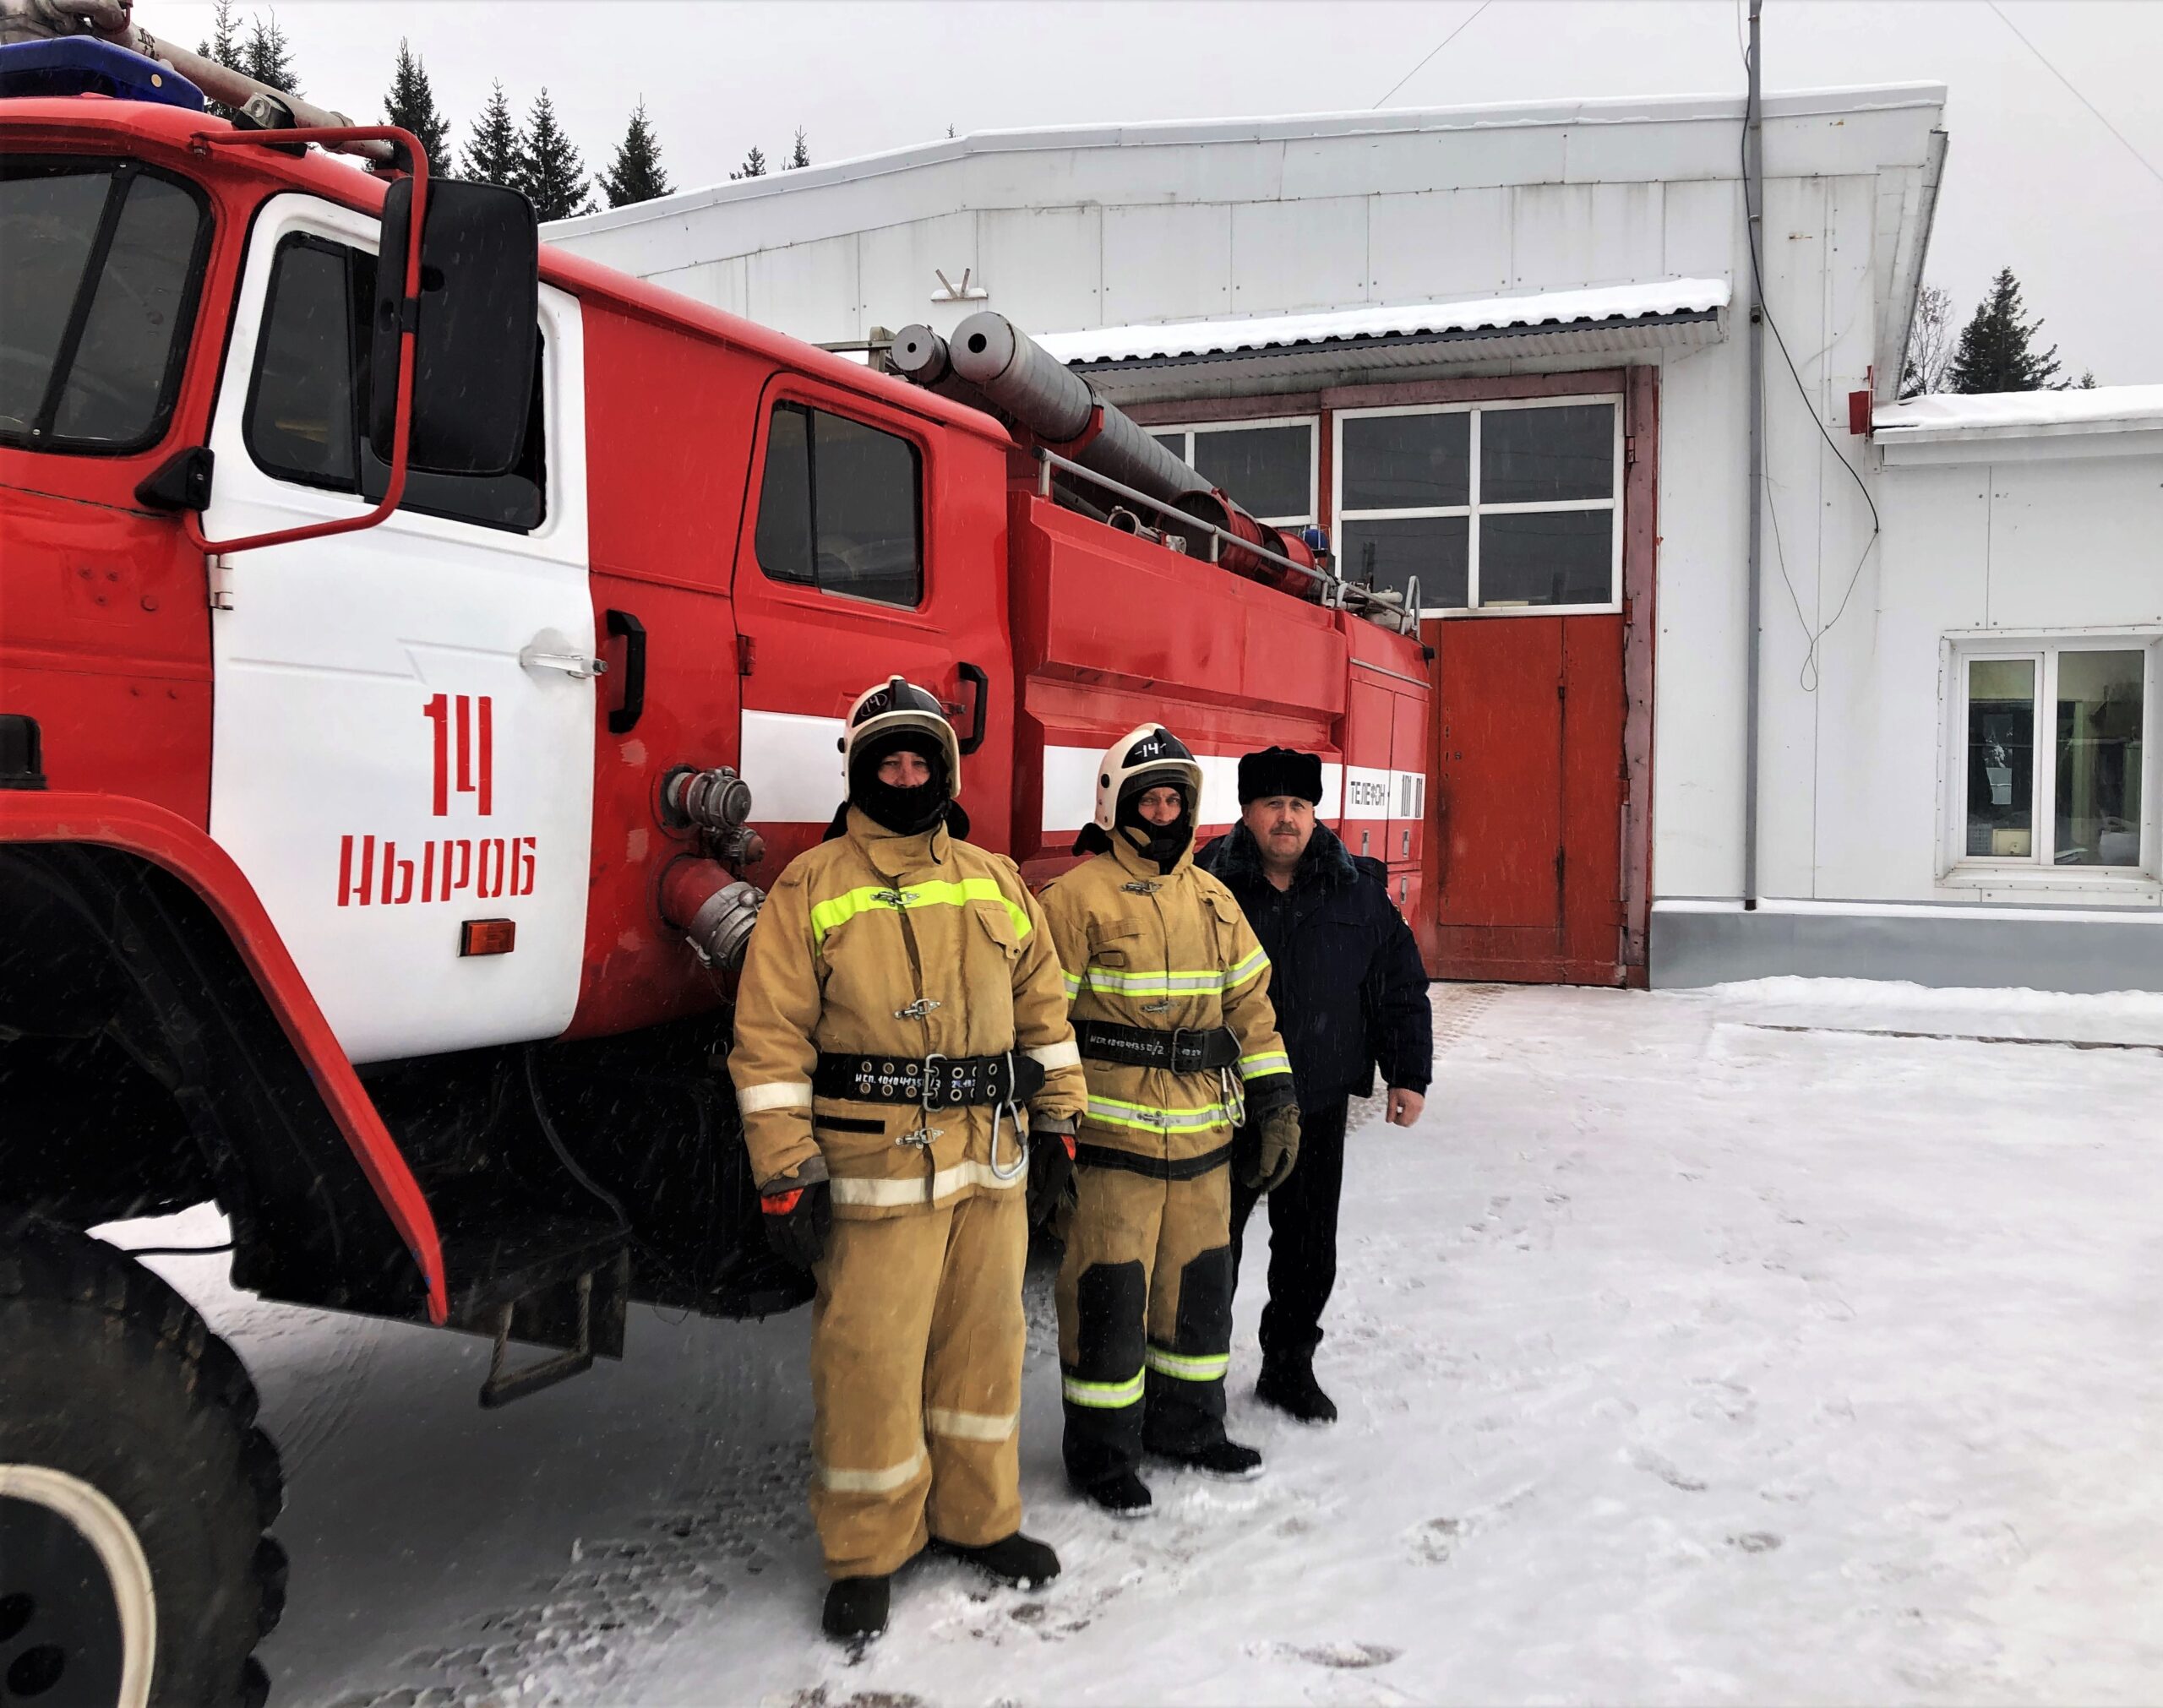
pixel 100 261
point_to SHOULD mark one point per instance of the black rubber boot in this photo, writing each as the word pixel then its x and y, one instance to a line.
pixel 855 1609
pixel 1227 1461
pixel 1018 1561
pixel 1291 1388
pixel 1124 1496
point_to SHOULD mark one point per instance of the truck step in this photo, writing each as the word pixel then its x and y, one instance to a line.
pixel 517 1270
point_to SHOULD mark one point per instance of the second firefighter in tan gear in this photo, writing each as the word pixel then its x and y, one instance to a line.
pixel 902 1023
pixel 1171 1010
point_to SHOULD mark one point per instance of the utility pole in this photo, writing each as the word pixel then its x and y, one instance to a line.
pixel 1754 205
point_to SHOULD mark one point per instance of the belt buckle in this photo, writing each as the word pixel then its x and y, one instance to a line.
pixel 1179 1032
pixel 930 1089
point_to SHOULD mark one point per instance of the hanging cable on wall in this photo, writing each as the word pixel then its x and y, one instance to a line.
pixel 1809 676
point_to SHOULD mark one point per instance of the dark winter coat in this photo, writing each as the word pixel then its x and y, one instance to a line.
pixel 1347 979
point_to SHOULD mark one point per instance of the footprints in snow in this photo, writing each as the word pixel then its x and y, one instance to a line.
pixel 1658 1464
pixel 1347 1657
pixel 618 1596
pixel 1434 1542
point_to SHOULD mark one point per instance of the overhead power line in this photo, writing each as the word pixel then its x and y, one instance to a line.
pixel 2076 94
pixel 1432 52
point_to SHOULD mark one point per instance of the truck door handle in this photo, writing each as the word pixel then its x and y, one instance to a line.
pixel 550 650
pixel 624 717
pixel 980 723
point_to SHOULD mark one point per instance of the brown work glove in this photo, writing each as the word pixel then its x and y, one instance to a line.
pixel 1276 1150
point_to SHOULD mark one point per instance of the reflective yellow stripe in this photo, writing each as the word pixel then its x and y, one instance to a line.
pixel 970 1425
pixel 1073 983
pixel 1261 1066
pixel 880 1482
pixel 1245 970
pixel 1118 982
pixel 828 914
pixel 1208 1367
pixel 1102 1396
pixel 1113 1113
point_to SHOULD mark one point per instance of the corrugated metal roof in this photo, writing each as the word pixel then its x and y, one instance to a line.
pixel 1544 313
pixel 1289 352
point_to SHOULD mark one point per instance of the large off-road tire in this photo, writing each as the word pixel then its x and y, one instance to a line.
pixel 134 1487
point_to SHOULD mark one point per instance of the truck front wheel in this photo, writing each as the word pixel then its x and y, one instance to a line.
pixel 134 1486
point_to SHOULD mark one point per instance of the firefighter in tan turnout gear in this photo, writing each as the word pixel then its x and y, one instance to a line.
pixel 1172 1014
pixel 902 1026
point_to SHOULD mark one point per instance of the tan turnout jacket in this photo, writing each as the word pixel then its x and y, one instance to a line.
pixel 874 944
pixel 1144 948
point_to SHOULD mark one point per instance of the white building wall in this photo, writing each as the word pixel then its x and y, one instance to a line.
pixel 1068 230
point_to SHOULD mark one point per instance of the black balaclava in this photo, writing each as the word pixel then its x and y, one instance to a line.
pixel 1162 843
pixel 905 812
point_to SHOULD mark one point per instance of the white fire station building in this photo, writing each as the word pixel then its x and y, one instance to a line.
pixel 1501 355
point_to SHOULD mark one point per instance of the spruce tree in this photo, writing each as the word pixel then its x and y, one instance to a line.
pixel 224 43
pixel 801 154
pixel 549 171
pixel 1995 352
pixel 411 105
pixel 268 57
pixel 753 166
pixel 492 154
pixel 635 175
pixel 224 46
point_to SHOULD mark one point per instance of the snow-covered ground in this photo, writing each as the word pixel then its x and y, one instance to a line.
pixel 1695 1347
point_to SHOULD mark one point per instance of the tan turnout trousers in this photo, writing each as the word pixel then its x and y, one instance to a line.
pixel 917 1379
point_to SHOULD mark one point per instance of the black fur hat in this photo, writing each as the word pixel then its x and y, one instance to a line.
pixel 1280 771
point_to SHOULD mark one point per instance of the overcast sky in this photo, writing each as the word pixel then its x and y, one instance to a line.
pixel 2034 180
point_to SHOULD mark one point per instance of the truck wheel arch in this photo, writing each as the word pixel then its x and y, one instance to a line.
pixel 124 850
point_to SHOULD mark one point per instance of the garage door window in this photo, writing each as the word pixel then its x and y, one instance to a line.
pixel 1497 508
pixel 1267 466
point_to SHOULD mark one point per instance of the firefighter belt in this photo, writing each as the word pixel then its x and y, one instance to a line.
pixel 936 1082
pixel 1150 1047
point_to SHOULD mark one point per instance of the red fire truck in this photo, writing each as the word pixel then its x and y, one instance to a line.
pixel 415 651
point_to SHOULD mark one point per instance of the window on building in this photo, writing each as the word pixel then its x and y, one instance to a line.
pixel 1267 466
pixel 1512 505
pixel 310 389
pixel 840 508
pixel 2054 751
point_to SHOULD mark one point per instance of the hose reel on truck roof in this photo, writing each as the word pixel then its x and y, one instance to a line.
pixel 1082 442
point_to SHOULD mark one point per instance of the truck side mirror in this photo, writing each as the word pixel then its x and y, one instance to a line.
pixel 474 335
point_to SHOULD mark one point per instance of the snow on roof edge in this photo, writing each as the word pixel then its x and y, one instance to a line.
pixel 2133 406
pixel 1276 331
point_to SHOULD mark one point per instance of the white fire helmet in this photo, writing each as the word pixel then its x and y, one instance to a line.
pixel 1144 758
pixel 895 705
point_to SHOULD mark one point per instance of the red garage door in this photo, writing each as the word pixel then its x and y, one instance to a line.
pixel 1528 794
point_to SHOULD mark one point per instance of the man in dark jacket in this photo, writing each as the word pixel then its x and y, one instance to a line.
pixel 1350 993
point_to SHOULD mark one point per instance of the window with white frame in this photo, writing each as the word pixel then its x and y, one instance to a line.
pixel 2053 755
pixel 1511 505
pixel 1267 466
